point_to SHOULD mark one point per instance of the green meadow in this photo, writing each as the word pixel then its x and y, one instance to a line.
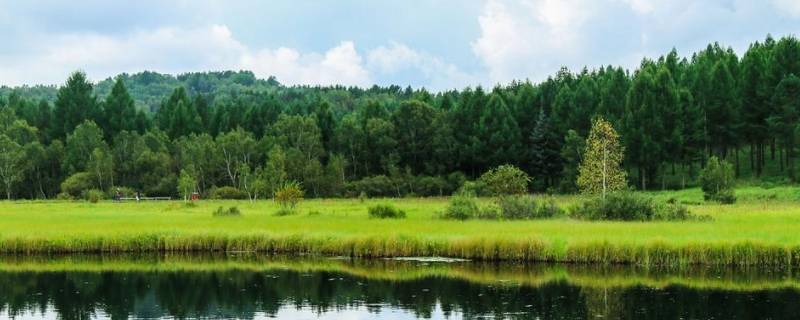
pixel 762 228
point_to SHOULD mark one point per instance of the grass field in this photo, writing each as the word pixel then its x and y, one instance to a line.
pixel 763 228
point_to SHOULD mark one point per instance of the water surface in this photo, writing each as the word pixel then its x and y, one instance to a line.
pixel 256 287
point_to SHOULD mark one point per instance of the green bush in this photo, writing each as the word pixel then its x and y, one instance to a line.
pixel 230 212
pixel 717 181
pixel 431 186
pixel 362 197
pixel 462 206
pixel 672 212
pixel 375 186
pixel 126 192
pixel 506 180
pixel 628 206
pixel 526 207
pixel 724 197
pixel 383 211
pixel 76 184
pixel 284 212
pixel 227 193
pixel 490 212
pixel 94 195
pixel 476 187
pixel 517 207
pixel 549 209
pixel 289 195
pixel 64 196
pixel 624 206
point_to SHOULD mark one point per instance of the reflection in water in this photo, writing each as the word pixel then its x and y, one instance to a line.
pixel 259 287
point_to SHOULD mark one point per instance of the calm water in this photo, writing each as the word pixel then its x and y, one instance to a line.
pixel 291 288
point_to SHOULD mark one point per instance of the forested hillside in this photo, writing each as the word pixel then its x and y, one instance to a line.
pixel 147 131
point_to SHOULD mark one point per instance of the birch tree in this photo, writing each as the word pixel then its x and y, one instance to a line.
pixel 11 163
pixel 600 171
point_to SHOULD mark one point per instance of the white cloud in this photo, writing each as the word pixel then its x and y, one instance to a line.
pixel 339 65
pixel 792 7
pixel 176 50
pixel 516 37
pixel 398 57
pixel 642 6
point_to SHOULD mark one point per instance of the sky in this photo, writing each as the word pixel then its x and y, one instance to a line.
pixel 437 44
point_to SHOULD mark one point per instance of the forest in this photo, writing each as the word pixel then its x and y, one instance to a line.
pixel 232 135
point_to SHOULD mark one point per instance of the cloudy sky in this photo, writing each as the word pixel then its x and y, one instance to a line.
pixel 438 44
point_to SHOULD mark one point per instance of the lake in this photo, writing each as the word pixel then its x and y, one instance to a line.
pixel 252 286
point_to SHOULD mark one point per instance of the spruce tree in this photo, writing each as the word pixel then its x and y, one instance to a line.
pixel 498 134
pixel 786 101
pixel 119 111
pixel 545 151
pixel 74 104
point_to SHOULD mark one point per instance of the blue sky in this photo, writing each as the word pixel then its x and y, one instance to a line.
pixel 437 44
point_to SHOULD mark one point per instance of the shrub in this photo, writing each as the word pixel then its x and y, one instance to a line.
pixel 94 195
pixel 526 207
pixel 717 180
pixel 616 206
pixel 230 212
pixel 476 187
pixel 517 207
pixel 64 196
pixel 227 193
pixel 506 180
pixel 383 211
pixel 430 186
pixel 454 181
pixel 628 206
pixel 490 212
pixel 362 197
pixel 672 212
pixel 725 197
pixel 289 195
pixel 375 186
pixel 124 191
pixel 76 184
pixel 284 212
pixel 462 206
pixel 549 209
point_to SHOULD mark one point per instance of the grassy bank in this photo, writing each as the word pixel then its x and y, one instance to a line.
pixel 761 229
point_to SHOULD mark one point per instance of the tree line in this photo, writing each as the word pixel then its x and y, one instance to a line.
pixel 155 133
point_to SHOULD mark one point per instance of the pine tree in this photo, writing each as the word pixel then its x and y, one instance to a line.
pixel 722 110
pixel 498 134
pixel 75 103
pixel 545 151
pixel 601 171
pixel 755 104
pixel 786 101
pixel 572 153
pixel 326 125
pixel 119 111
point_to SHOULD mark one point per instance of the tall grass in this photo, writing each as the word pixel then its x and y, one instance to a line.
pixel 754 232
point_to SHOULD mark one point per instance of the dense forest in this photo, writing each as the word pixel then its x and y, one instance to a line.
pixel 233 131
